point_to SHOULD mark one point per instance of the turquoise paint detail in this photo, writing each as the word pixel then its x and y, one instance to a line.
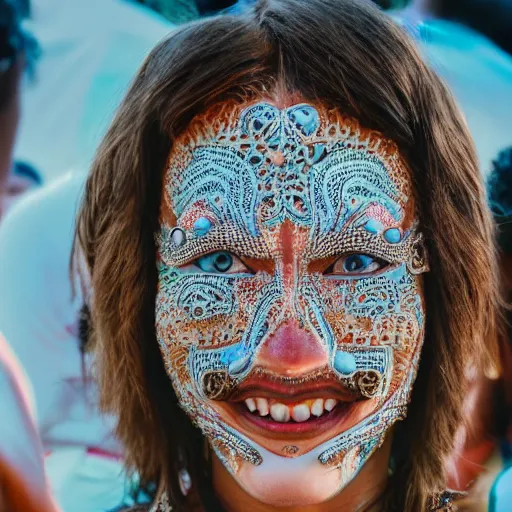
pixel 202 226
pixel 392 235
pixel 345 363
pixel 373 226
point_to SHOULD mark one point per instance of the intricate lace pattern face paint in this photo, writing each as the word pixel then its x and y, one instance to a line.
pixel 289 309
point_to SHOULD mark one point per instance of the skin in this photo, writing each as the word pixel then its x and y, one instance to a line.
pixel 294 222
pixel 362 494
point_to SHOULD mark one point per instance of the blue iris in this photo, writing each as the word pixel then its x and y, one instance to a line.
pixel 357 262
pixel 220 261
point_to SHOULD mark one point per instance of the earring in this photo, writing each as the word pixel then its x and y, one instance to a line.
pixel 185 481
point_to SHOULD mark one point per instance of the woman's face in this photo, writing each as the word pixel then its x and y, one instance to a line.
pixel 289 310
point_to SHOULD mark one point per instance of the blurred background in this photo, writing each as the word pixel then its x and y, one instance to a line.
pixel 65 65
pixel 89 50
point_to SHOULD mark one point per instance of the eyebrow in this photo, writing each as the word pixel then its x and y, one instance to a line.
pixel 357 239
pixel 225 237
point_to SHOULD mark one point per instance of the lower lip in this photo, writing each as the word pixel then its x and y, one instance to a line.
pixel 326 421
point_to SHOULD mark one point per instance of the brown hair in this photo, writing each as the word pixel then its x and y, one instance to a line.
pixel 346 54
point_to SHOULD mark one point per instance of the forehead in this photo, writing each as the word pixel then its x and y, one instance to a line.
pixel 305 163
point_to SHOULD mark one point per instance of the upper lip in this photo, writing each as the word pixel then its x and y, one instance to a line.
pixel 292 390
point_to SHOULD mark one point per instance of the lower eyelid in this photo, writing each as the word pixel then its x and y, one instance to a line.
pixel 361 275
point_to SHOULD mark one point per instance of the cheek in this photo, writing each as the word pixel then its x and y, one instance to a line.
pixel 202 311
pixel 196 309
pixel 381 311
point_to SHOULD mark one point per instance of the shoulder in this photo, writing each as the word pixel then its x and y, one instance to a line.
pixel 36 239
pixel 42 222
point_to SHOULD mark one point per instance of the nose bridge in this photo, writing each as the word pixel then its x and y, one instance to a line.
pixel 291 265
pixel 293 347
pixel 293 299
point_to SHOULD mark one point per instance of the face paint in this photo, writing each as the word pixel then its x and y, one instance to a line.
pixel 289 309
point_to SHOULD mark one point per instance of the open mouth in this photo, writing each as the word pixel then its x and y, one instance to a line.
pixel 292 418
pixel 292 409
pixel 302 411
pixel 284 413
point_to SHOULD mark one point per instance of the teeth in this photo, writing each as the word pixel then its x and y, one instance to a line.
pixel 280 412
pixel 262 406
pixel 298 412
pixel 251 404
pixel 330 404
pixel 317 409
pixel 301 413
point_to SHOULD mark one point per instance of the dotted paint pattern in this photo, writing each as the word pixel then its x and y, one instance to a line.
pixel 244 171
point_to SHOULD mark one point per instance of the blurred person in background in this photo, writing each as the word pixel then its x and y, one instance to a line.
pixel 492 18
pixel 83 461
pixel 12 62
pixel 80 79
pixel 90 51
pixel 182 11
pixel 23 484
pixel 21 179
pixel 477 71
pixel 499 187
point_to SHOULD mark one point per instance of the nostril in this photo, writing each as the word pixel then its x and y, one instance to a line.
pixel 292 350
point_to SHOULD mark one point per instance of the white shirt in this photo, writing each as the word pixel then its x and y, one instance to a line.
pixel 38 314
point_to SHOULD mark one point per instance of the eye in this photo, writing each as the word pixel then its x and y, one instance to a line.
pixel 355 264
pixel 220 262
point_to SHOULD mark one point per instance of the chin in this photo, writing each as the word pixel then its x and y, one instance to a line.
pixel 284 490
pixel 301 481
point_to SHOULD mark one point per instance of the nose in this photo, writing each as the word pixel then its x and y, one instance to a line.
pixel 292 351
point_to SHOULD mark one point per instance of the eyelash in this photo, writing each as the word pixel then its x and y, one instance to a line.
pixel 221 262
pixel 363 259
pixel 218 262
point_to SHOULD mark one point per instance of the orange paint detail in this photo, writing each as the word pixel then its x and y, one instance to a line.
pixel 278 158
pixel 194 212
pixel 286 240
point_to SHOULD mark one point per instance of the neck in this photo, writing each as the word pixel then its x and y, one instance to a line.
pixel 361 495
